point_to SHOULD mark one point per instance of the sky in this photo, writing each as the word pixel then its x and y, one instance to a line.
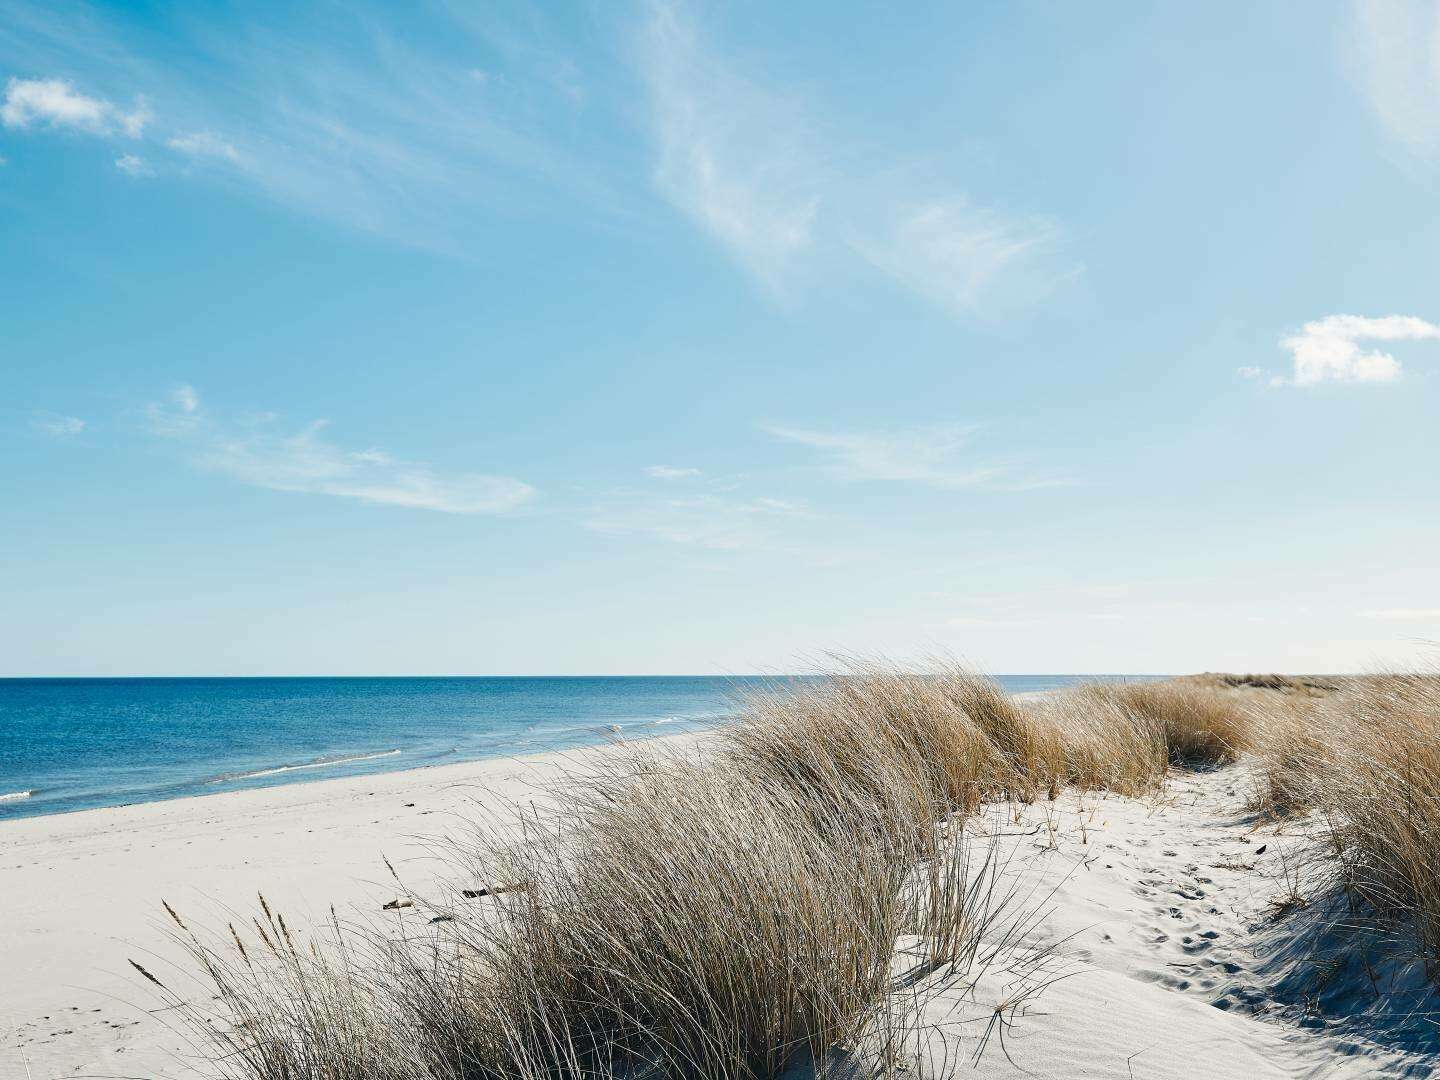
pixel 678 337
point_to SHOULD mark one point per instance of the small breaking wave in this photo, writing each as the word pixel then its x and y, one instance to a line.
pixel 14 796
pixel 318 763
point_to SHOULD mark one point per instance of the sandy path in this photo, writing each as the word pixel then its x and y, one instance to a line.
pixel 1179 962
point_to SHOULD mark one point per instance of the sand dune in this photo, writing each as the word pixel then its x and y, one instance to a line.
pixel 1157 911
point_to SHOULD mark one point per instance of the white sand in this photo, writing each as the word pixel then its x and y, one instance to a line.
pixel 80 893
pixel 1153 928
pixel 1176 965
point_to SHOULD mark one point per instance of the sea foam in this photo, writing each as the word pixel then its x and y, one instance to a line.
pixel 318 763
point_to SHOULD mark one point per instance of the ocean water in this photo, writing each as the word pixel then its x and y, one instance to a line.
pixel 75 744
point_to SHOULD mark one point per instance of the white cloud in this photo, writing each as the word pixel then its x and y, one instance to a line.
pixel 305 461
pixel 131 165
pixel 359 124
pixel 56 424
pixel 204 144
pixel 958 255
pixel 1396 51
pixel 1403 614
pixel 761 171
pixel 927 455
pixel 669 472
pixel 1328 349
pixel 733 154
pixel 56 103
pixel 1249 372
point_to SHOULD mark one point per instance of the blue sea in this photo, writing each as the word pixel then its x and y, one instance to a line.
pixel 74 744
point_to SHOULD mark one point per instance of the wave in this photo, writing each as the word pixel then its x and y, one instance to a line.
pixel 318 763
pixel 14 795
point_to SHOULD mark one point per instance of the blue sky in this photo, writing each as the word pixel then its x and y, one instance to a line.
pixel 681 337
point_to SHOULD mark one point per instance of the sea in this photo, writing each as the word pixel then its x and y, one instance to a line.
pixel 77 744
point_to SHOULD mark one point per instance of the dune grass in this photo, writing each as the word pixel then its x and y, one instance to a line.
pixel 913 745
pixel 760 907
pixel 1202 726
pixel 1106 746
pixel 669 919
pixel 733 917
pixel 1367 761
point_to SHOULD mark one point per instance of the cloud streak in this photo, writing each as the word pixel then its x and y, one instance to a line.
pixel 133 165
pixel 716 522
pixel 57 104
pixel 1396 52
pixel 669 472
pixel 305 461
pixel 204 144
pixel 732 154
pixel 959 255
pixel 353 122
pixel 934 456
pixel 757 168
pixel 56 424
pixel 1330 349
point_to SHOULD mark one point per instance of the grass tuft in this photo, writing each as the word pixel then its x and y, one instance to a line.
pixel 770 902
pixel 1367 760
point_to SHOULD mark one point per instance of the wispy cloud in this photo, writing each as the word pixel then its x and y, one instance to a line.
pixel 927 455
pixel 1404 614
pixel 719 522
pixel 306 461
pixel 56 103
pixel 1396 51
pixel 733 154
pixel 204 144
pixel 937 456
pixel 759 168
pixel 353 122
pixel 56 424
pixel 959 255
pixel 134 165
pixel 669 472
pixel 1330 349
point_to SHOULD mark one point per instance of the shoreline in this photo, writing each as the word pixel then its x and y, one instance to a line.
pixel 18 804
pixel 83 889
pixel 12 803
pixel 1153 911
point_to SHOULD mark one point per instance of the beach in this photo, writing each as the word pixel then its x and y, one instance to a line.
pixel 81 892
pixel 1155 914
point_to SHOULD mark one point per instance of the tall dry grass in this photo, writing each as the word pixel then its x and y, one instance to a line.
pixel 767 906
pixel 725 918
pixel 1367 759
pixel 1106 745
pixel 894 742
pixel 952 739
pixel 1201 725
pixel 1291 744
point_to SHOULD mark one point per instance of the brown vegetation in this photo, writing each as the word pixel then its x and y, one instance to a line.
pixel 1367 760
pixel 739 914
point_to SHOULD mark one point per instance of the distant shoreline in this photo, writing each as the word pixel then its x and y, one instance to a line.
pixel 75 745
pixel 81 887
